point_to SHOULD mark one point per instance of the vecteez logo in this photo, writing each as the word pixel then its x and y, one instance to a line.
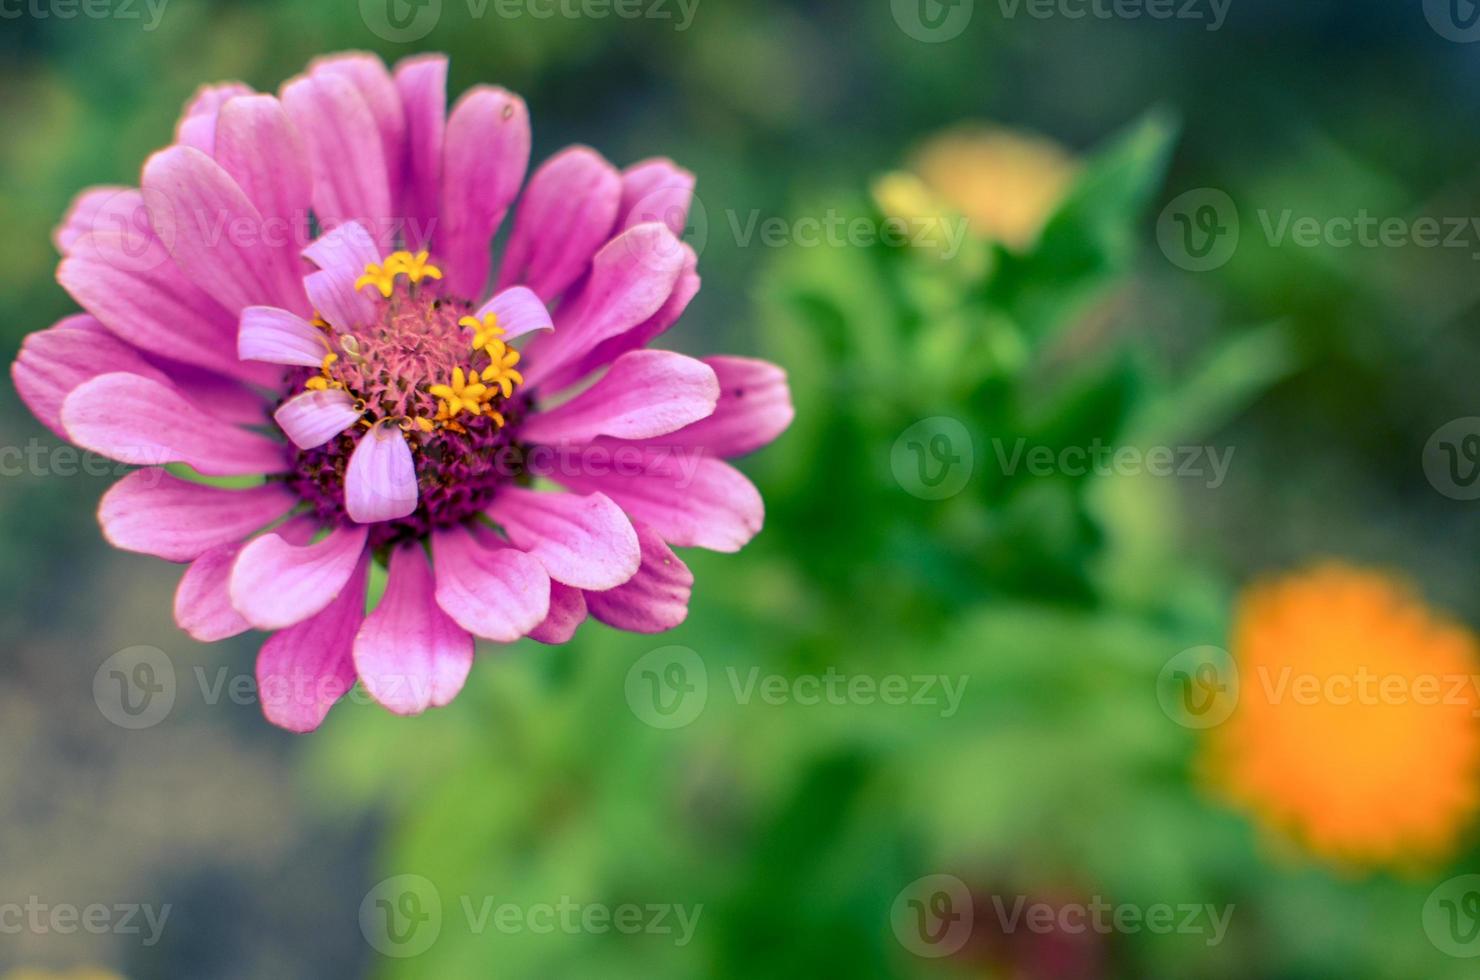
pixel 1454 20
pixel 401 21
pixel 1199 229
pixel 668 687
pixel 932 21
pixel 401 916
pixel 932 916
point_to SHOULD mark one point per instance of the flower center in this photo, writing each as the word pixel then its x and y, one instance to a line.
pixel 445 377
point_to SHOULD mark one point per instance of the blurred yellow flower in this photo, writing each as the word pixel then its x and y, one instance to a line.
pixel 1006 183
pixel 1355 731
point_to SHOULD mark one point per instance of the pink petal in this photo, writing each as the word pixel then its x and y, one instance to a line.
pixel 197 125
pixel 276 584
pixel 631 278
pixel 567 612
pixel 54 361
pixel 656 190
pixel 684 290
pixel 566 214
pixel 259 148
pixel 422 82
pixel 314 417
pixel 344 149
pixel 691 500
pixel 279 337
pixel 224 398
pixel 213 232
pixel 484 157
pixel 135 419
pixel 203 601
pixel 370 78
pixel 153 513
pixel 646 393
pixel 148 302
pixel 303 671
pixel 380 482
pixel 754 408
pixel 409 654
pixel 107 208
pixel 653 600
pixel 519 312
pixel 499 594
pixel 585 541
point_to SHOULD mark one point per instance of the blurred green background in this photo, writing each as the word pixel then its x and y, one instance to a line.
pixel 801 829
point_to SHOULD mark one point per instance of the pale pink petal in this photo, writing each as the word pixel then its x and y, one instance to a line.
pixel 422 82
pixel 153 513
pixel 691 499
pixel 409 654
pixel 566 214
pixel 519 312
pixel 197 125
pixel 276 584
pixel 754 408
pixel 347 247
pixel 54 361
pixel 314 417
pixel 631 277
pixel 567 612
pixel 656 190
pixel 135 419
pixel 335 297
pixel 278 337
pixel 499 594
pixel 344 149
pixel 303 671
pixel 136 291
pixel 484 158
pixel 213 232
pixel 582 540
pixel 684 290
pixel 646 393
pixel 653 600
pixel 380 482
pixel 342 256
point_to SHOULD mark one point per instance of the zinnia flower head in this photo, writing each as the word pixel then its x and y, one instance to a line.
pixel 302 288
pixel 1356 730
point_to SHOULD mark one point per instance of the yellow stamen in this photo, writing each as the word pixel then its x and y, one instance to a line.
pixel 383 276
pixel 463 394
pixel 483 333
pixel 417 267
pixel 500 370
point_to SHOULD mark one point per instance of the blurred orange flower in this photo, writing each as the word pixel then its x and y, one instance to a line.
pixel 1006 183
pixel 1356 729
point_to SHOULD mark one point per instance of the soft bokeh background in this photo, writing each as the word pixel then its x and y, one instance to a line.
pixel 1058 601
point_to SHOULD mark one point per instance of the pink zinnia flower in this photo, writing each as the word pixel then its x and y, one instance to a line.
pixel 424 418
